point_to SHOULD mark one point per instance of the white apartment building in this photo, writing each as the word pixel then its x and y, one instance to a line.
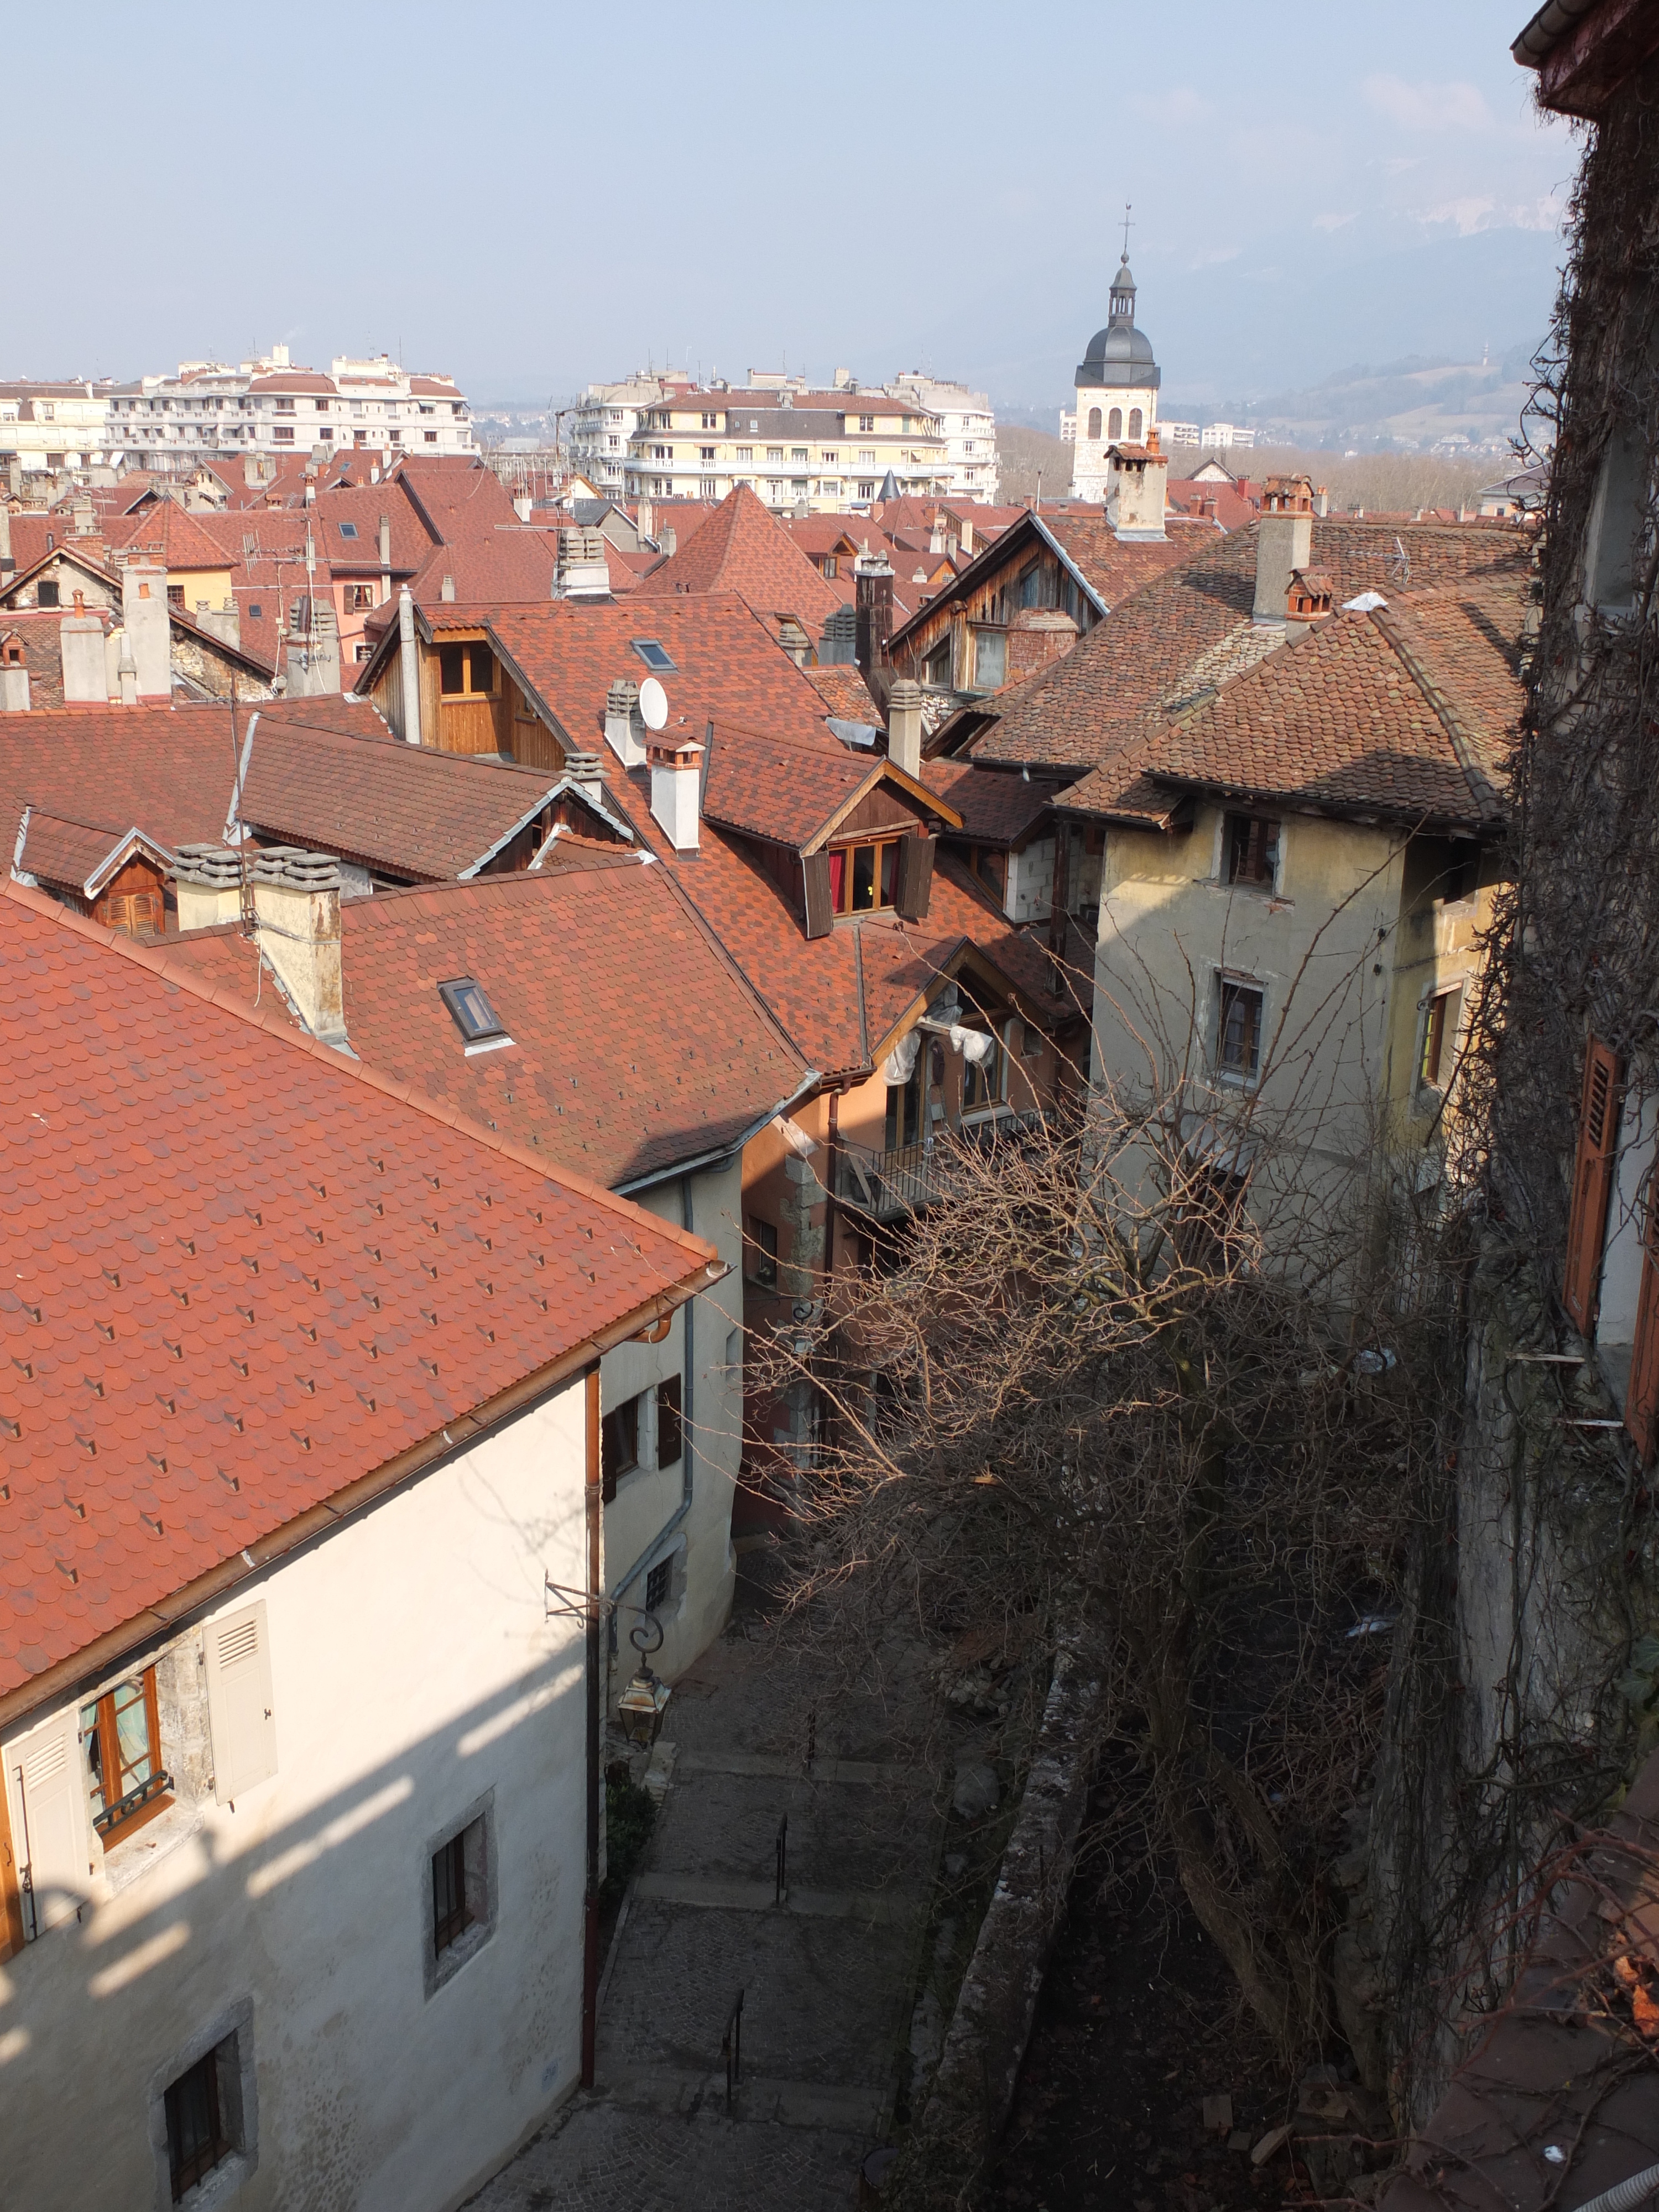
pixel 48 426
pixel 169 423
pixel 602 423
pixel 968 425
pixel 1220 435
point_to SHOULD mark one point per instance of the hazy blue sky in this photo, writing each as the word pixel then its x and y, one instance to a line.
pixel 532 195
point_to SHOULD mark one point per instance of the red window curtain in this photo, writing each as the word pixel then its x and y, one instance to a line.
pixel 837 882
pixel 1592 1186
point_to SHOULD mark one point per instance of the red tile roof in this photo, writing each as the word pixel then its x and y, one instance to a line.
pixel 997 805
pixel 741 549
pixel 636 1044
pixel 843 690
pixel 282 1272
pixel 76 855
pixel 170 534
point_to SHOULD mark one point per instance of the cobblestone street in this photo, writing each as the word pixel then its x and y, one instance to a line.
pixel 828 1976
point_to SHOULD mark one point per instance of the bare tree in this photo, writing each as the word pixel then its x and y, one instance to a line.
pixel 1120 1384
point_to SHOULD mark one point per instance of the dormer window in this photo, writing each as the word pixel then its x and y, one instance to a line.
pixel 480 1026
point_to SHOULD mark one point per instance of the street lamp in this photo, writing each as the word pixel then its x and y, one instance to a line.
pixel 639 1708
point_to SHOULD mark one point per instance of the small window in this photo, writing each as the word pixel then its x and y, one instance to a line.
pixel 1240 1032
pixel 46 595
pixel 256 612
pixel 671 1426
pixel 461 1892
pixel 1135 422
pixel 990 659
pixel 653 654
pixel 1094 422
pixel 619 1445
pixel 866 422
pixel 175 595
pixel 472 1013
pixel 658 1585
pixel 466 672
pixel 197 2139
pixel 348 529
pixel 1440 1037
pixel 763 1252
pixel 121 1734
pixel 981 1082
pixel 360 597
pixel 283 434
pixel 1252 850
pixel 902 1123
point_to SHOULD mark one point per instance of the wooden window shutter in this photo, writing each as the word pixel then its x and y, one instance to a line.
pixel 239 1704
pixel 915 878
pixel 49 1813
pixel 1592 1186
pixel 1642 1398
pixel 820 908
pixel 11 1884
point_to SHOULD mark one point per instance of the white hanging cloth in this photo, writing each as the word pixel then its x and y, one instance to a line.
pixel 900 1063
pixel 977 1045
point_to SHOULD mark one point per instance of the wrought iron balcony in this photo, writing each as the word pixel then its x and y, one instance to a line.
pixel 885 1184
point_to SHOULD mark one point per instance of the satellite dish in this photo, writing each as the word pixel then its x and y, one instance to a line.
pixel 653 704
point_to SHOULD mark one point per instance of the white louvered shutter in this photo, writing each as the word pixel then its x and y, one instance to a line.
pixel 239 1706
pixel 49 1796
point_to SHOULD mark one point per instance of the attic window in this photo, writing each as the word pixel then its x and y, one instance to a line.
pixel 473 1015
pixel 348 529
pixel 256 612
pixel 656 658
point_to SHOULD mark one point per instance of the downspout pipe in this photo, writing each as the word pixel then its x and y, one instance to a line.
pixel 688 1427
pixel 592 1511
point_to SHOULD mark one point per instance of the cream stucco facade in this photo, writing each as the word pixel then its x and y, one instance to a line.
pixel 420 1686
pixel 1340 957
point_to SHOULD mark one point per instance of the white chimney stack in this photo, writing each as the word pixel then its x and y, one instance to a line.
pixel 624 729
pixel 296 898
pixel 408 670
pixel 676 790
pixel 81 642
pixel 13 677
pixel 1284 543
pixel 144 618
pixel 904 727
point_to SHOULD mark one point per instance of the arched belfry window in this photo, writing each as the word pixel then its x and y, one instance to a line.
pixel 1094 422
pixel 1114 423
pixel 1135 422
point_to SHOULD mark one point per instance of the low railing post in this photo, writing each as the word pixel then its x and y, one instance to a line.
pixel 782 1889
pixel 732 2050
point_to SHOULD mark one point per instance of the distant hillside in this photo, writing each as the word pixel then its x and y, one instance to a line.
pixel 1412 406
pixel 1023 454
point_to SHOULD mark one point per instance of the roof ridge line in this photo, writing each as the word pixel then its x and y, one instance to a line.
pixel 229 1002
pixel 1447 713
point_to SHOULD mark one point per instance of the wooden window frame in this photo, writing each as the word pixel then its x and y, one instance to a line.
pixel 449 1868
pixel 1593 1175
pixel 1251 849
pixel 1439 1044
pixel 670 1420
pixel 1231 989
pixel 185 2173
pixel 466 647
pixel 883 874
pixel 761 1246
pixel 155 1794
pixel 619 1445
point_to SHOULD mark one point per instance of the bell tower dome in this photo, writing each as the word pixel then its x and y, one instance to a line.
pixel 1117 382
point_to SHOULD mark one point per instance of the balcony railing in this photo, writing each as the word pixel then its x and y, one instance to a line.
pixel 885 1184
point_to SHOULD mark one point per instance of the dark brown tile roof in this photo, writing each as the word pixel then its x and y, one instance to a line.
pixel 1406 713
pixel 1190 628
pixel 997 805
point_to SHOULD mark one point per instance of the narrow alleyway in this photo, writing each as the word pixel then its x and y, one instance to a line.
pixel 827 1976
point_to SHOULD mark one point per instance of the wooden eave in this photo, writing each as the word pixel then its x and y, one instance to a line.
pixel 881 771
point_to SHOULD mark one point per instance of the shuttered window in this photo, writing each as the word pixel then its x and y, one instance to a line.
pixel 1642 1398
pixel 49 1816
pixel 1592 1186
pixel 240 1704
pixel 915 878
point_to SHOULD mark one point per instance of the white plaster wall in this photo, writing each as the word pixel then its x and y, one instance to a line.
pixel 647 1500
pixel 413 1670
pixel 1030 881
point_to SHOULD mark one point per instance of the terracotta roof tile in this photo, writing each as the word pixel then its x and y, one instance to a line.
pixel 741 549
pixel 281 1272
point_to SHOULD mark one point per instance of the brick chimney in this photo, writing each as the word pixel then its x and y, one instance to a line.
pixel 904 727
pixel 676 789
pixel 13 677
pixel 872 598
pixel 624 731
pixel 296 898
pixel 81 643
pixel 1137 480
pixel 1284 543
pixel 144 618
